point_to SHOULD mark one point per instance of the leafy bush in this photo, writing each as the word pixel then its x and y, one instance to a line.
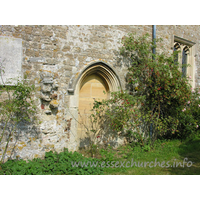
pixel 156 78
pixel 52 164
pixel 189 118
pixel 107 154
pixel 156 95
pixel 120 116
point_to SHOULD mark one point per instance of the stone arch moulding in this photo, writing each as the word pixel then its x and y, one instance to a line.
pixel 111 81
pixel 100 68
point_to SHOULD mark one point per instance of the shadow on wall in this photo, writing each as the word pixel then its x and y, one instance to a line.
pixel 103 141
pixel 123 63
pixel 26 138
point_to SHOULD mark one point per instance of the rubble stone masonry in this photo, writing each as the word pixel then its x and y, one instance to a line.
pixel 54 56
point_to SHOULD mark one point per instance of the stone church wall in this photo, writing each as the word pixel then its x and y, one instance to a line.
pixel 52 56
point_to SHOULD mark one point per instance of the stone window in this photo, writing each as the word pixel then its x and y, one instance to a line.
pixel 185 57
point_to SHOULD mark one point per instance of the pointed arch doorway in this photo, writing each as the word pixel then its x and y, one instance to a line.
pixel 93 82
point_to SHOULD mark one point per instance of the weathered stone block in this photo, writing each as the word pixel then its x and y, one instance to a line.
pixel 54 104
pixel 46 87
pixel 45 97
pixel 37 59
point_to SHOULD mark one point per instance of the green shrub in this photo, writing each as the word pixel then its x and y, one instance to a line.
pixel 157 93
pixel 52 164
pixel 106 154
pixel 189 118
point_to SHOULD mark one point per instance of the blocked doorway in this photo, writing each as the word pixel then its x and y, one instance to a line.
pixel 93 88
pixel 93 81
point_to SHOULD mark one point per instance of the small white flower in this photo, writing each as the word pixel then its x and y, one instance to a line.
pixel 184 110
pixel 197 126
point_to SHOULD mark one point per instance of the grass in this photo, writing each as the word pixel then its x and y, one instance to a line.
pixel 170 154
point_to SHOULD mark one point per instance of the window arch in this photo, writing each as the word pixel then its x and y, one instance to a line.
pixel 177 47
pixel 185 56
pixel 185 53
